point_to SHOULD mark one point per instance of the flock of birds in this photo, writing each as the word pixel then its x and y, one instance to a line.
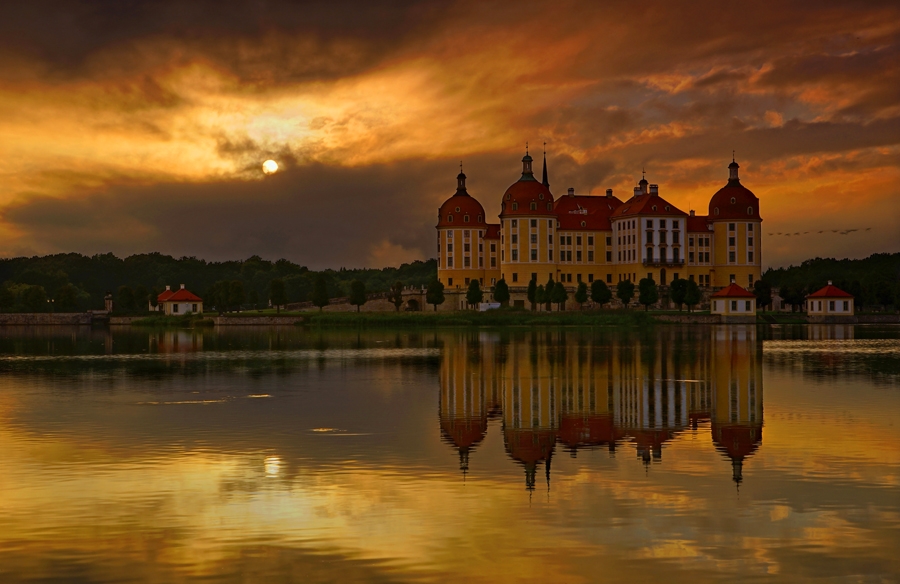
pixel 838 231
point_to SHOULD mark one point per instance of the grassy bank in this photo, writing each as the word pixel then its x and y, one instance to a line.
pixel 503 317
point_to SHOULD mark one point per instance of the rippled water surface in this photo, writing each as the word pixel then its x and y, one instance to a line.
pixel 696 454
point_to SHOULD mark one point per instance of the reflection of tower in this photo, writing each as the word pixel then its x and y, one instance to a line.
pixel 529 379
pixel 466 379
pixel 737 415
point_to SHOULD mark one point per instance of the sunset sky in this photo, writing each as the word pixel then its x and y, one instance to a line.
pixel 142 126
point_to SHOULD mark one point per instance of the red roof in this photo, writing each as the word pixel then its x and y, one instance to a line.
pixel 523 193
pixel 493 231
pixel 178 296
pixel 733 291
pixel 464 432
pixel 577 430
pixel 698 223
pixel 830 291
pixel 647 204
pixel 528 446
pixel 573 210
pixel 745 205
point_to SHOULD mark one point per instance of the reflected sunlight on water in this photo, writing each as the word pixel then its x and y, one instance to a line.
pixel 477 456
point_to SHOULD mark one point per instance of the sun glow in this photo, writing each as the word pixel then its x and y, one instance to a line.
pixel 270 166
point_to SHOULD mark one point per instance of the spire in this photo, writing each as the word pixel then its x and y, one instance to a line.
pixel 527 173
pixel 545 182
pixel 461 182
pixel 733 178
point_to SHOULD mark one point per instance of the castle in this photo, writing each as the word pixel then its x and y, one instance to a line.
pixel 583 238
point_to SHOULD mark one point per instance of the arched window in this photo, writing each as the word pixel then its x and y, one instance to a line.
pixel 449 218
pixel 717 210
pixel 534 206
pixel 515 207
pixel 465 218
pixel 733 200
pixel 479 218
pixel 654 207
pixel 749 210
pixel 583 224
pixel 549 206
pixel 507 196
pixel 668 208
pixel 541 196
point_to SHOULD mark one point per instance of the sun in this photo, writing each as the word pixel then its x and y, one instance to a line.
pixel 270 166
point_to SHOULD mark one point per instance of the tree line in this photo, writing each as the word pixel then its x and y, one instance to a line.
pixel 74 282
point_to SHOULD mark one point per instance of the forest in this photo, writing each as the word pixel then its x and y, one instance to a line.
pixel 75 282
pixel 874 281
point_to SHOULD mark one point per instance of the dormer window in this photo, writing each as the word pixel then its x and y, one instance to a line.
pixel 534 206
pixel 465 218
pixel 654 207
pixel 668 208
pixel 717 211
pixel 479 218
pixel 507 196
pixel 549 206
pixel 583 224
pixel 733 200
pixel 541 196
pixel 449 218
pixel 457 209
pixel 515 207
pixel 749 210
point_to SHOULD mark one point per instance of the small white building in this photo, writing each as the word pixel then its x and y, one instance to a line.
pixel 733 301
pixel 178 302
pixel 829 301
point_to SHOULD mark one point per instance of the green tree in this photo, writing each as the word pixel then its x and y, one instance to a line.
pixel 358 294
pixel 692 295
pixel 7 299
pixel 474 295
pixel 540 295
pixel 67 298
pixel 625 291
pixel 763 292
pixel 140 297
pixel 548 292
pixel 600 292
pixel 277 295
pixel 253 298
pixel 581 293
pixel 559 295
pixel 434 294
pixel 648 293
pixel 125 299
pixel 395 295
pixel 677 291
pixel 320 292
pixel 236 294
pixel 34 298
pixel 501 292
pixel 153 297
pixel 884 293
pixel 532 288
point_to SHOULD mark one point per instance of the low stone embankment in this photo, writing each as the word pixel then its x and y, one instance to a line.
pixel 256 320
pixel 44 318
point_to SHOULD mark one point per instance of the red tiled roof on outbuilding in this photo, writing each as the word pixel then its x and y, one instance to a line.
pixel 830 291
pixel 733 291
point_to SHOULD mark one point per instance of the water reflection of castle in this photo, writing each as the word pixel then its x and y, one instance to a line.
pixel 582 390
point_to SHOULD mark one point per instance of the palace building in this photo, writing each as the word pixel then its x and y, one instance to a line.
pixel 581 238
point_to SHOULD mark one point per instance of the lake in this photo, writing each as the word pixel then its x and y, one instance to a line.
pixel 674 454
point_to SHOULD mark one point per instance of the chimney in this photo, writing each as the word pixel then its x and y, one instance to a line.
pixel 693 213
pixel 571 192
pixel 168 288
pixel 182 286
pixel 829 282
pixel 654 190
pixel 638 192
pixel 609 193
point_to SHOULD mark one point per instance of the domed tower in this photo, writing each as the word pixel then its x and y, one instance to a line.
pixel 528 228
pixel 737 239
pixel 461 227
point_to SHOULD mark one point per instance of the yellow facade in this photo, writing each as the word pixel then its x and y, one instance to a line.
pixel 531 243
